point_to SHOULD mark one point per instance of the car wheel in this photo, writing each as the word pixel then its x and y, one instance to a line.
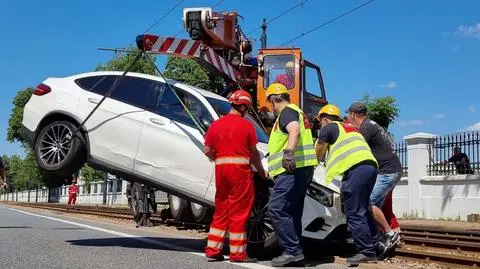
pixel 178 208
pixel 57 152
pixel 200 213
pixel 135 196
pixel 261 236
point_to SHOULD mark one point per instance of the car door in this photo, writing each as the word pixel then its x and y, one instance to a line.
pixel 114 128
pixel 171 147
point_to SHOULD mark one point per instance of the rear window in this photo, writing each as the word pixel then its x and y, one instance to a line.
pixel 96 84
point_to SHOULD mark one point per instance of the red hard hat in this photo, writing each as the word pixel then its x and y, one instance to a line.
pixel 241 97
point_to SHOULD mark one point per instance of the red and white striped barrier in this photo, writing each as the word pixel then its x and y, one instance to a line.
pixel 187 48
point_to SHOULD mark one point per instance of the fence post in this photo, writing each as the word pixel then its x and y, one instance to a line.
pixel 418 160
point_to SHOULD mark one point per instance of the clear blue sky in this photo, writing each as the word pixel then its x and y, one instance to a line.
pixel 424 53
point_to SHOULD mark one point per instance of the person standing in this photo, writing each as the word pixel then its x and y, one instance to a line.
pixel 3 177
pixel 348 155
pixel 389 174
pixel 231 143
pixel 72 193
pixel 291 163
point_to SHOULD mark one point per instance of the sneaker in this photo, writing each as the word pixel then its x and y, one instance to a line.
pixel 285 259
pixel 387 243
pixel 216 258
pixel 248 259
pixel 360 258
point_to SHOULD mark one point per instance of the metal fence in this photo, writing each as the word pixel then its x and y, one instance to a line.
pixel 400 149
pixel 444 161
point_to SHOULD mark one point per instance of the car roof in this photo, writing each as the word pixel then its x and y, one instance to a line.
pixel 175 83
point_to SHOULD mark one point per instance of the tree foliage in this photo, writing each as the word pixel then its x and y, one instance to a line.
pixel 16 116
pixel 190 72
pixel 121 63
pixel 90 174
pixel 383 110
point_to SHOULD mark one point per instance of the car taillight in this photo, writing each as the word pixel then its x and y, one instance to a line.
pixel 42 89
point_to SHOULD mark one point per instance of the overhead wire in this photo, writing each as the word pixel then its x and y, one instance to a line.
pixel 160 19
pixel 328 22
pixel 278 16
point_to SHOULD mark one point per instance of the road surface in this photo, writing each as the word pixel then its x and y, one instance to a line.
pixel 32 238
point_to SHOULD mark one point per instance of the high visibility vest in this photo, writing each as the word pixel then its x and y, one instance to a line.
pixel 349 150
pixel 304 151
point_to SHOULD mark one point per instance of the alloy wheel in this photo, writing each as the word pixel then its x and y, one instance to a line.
pixel 55 144
pixel 260 224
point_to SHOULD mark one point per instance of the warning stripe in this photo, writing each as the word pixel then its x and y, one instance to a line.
pixel 189 48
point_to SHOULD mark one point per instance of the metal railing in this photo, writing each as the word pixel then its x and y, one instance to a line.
pixel 400 149
pixel 443 161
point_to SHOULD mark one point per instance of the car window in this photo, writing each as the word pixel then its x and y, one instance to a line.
pixel 96 84
pixel 135 91
pixel 223 108
pixel 170 107
pixel 139 92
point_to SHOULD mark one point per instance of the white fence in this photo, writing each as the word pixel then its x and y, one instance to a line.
pixel 433 197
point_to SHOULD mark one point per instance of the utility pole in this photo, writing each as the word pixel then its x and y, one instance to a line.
pixel 105 188
pixel 264 34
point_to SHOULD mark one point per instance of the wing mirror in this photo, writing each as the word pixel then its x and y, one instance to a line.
pixel 205 122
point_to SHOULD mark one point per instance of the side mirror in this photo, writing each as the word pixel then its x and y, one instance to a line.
pixel 205 122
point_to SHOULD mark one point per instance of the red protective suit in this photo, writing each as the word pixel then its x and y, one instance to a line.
pixel 72 194
pixel 231 138
pixel 388 211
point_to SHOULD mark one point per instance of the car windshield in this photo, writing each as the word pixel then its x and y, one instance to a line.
pixel 222 108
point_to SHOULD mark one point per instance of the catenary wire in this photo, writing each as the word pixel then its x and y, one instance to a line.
pixel 328 22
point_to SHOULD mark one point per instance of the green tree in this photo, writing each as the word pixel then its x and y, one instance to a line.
pixel 91 175
pixel 143 65
pixel 16 116
pixel 190 72
pixel 383 110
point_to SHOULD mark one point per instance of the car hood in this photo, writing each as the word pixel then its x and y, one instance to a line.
pixel 318 176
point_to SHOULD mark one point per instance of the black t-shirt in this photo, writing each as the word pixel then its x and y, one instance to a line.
pixel 381 145
pixel 286 116
pixel 328 134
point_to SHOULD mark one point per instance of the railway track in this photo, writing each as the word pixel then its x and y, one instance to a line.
pixel 442 245
pixel 450 247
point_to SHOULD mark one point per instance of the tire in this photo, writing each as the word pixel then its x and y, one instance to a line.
pixel 136 195
pixel 200 213
pixel 178 208
pixel 56 153
pixel 262 240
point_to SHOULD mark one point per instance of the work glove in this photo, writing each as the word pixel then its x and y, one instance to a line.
pixel 288 161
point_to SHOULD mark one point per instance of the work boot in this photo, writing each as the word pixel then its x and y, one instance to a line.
pixel 360 258
pixel 387 243
pixel 217 258
pixel 248 259
pixel 285 259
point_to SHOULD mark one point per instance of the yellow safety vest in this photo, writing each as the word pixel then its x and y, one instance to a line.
pixel 349 150
pixel 304 151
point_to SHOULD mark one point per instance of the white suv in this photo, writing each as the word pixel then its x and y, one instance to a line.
pixel 142 133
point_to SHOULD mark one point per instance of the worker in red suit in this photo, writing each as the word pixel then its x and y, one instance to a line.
pixel 287 79
pixel 72 193
pixel 231 143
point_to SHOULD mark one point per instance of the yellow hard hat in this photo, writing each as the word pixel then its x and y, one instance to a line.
pixel 329 110
pixel 276 88
pixel 289 65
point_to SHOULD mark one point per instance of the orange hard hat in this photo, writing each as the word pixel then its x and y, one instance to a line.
pixel 241 97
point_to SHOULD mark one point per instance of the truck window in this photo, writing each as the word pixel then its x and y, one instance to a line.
pixel 279 69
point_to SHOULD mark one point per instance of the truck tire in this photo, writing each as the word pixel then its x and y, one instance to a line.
pixel 135 195
pixel 200 213
pixel 178 208
pixel 56 153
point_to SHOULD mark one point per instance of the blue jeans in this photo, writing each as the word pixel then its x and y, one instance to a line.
pixel 383 185
pixel 357 186
pixel 286 208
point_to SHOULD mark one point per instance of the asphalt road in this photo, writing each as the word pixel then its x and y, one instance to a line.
pixel 41 239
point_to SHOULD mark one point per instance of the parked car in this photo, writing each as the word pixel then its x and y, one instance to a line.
pixel 141 132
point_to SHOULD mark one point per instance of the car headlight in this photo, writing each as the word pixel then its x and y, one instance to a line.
pixel 321 194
